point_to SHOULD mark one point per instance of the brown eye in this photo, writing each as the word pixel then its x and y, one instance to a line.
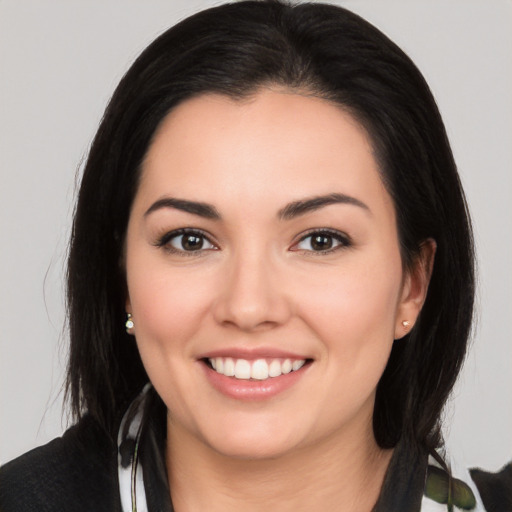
pixel 191 242
pixel 323 241
pixel 182 241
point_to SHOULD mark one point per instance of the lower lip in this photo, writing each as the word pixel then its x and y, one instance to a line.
pixel 241 389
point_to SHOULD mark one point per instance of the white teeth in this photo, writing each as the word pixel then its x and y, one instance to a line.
pixel 242 369
pixel 297 365
pixel 287 366
pixel 274 370
pixel 229 367
pixel 258 369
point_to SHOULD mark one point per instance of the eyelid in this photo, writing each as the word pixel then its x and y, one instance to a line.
pixel 163 241
pixel 340 236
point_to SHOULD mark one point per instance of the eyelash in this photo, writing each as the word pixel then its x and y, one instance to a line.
pixel 342 239
pixel 164 241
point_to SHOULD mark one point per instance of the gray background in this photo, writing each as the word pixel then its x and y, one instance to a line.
pixel 59 63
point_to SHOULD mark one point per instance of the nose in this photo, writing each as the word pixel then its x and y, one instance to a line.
pixel 252 296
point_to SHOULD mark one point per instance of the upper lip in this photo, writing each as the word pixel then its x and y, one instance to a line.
pixel 252 353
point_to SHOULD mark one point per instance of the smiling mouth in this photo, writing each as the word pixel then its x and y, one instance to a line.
pixel 258 369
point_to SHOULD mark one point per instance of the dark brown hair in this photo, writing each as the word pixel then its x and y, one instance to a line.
pixel 234 49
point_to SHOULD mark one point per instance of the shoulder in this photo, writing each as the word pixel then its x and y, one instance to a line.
pixel 77 471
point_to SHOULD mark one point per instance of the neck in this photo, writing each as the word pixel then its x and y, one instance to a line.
pixel 332 475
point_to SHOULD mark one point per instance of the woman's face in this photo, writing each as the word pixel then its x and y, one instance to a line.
pixel 262 240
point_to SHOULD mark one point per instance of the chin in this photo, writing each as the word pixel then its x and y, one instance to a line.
pixel 254 450
pixel 253 444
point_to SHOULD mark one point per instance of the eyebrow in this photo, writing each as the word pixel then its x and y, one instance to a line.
pixel 304 206
pixel 290 211
pixel 201 209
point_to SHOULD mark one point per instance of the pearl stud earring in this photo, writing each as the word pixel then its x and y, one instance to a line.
pixel 129 323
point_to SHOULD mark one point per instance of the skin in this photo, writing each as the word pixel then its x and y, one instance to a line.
pixel 259 282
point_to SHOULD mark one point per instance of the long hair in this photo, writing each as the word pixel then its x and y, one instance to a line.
pixel 234 50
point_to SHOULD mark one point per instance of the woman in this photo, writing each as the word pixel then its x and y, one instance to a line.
pixel 271 230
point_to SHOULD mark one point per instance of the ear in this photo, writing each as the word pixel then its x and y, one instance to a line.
pixel 414 288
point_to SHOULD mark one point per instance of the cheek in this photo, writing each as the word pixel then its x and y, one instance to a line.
pixel 353 316
pixel 364 298
pixel 169 309
pixel 165 308
pixel 353 311
pixel 167 305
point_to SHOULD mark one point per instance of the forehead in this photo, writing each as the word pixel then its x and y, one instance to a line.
pixel 275 143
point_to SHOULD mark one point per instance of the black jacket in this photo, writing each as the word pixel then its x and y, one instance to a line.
pixel 79 473
pixel 76 472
